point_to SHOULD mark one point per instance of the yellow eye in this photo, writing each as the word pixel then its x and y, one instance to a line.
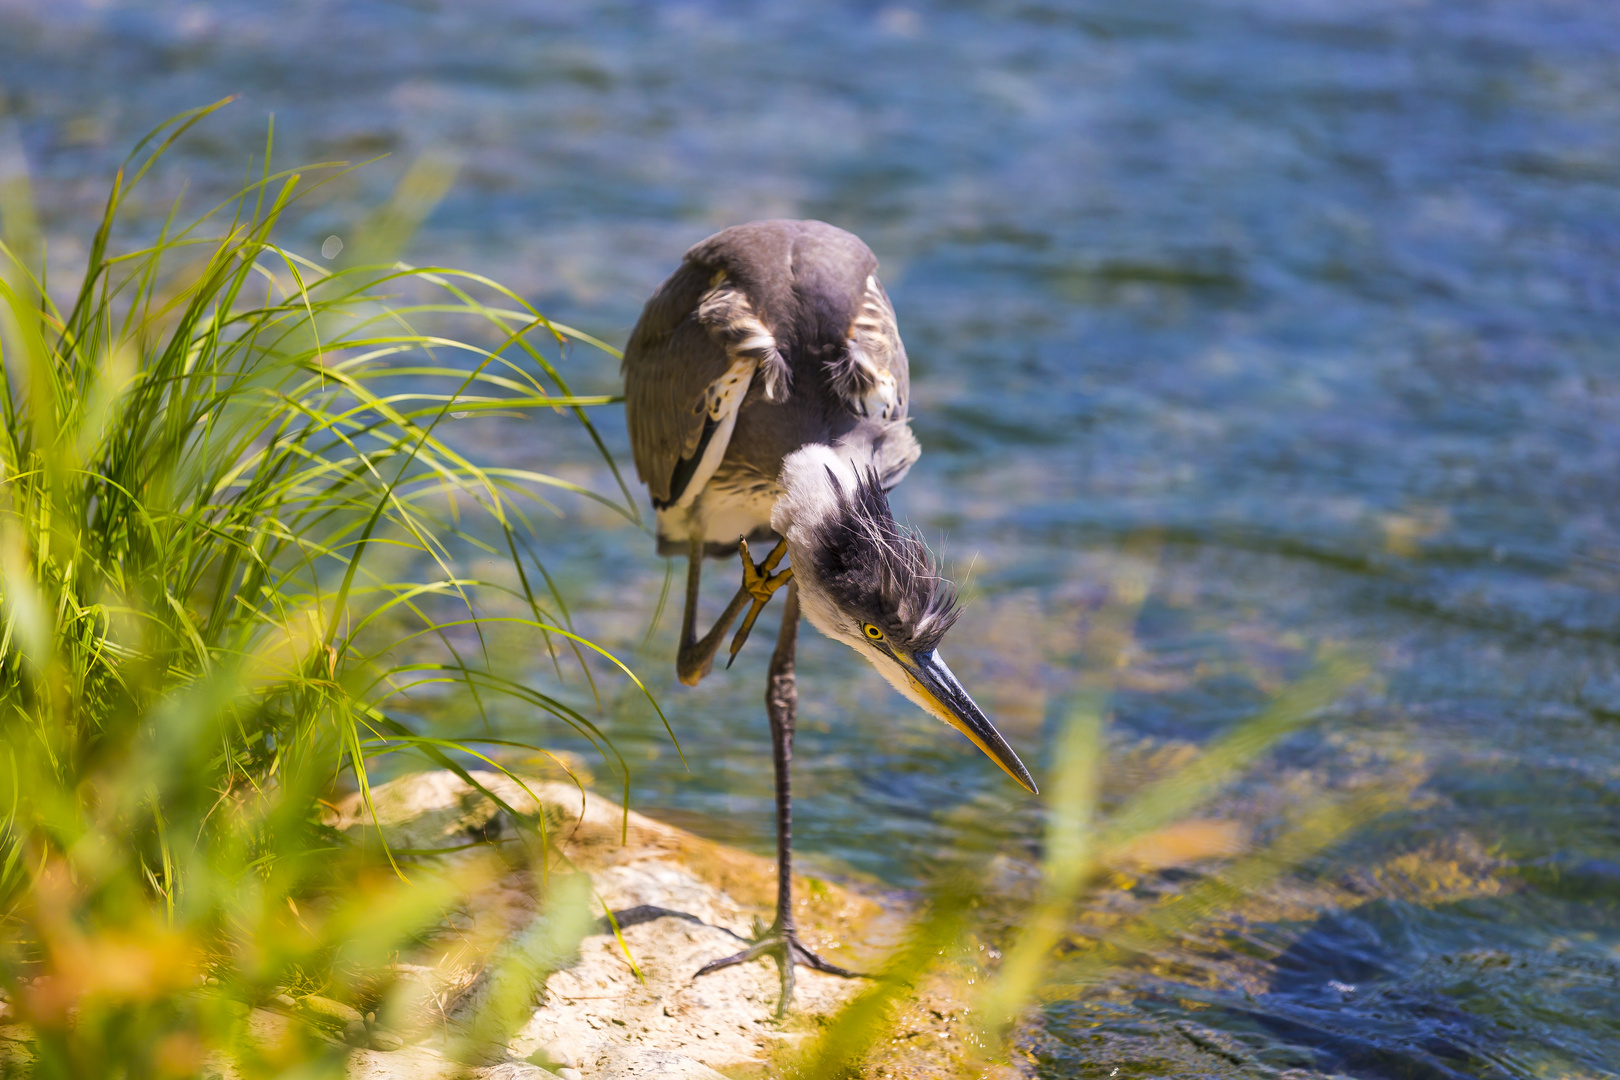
pixel 873 632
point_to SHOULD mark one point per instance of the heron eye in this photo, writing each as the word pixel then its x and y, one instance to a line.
pixel 873 632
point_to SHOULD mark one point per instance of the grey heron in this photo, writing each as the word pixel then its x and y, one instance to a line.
pixel 766 390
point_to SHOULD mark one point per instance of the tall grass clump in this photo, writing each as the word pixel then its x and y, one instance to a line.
pixel 232 539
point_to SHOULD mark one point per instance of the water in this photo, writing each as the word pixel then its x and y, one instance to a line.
pixel 1323 292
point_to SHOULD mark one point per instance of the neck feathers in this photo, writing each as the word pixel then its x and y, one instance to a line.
pixel 853 561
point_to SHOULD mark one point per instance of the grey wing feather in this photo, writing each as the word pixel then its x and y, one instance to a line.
pixel 873 374
pixel 894 349
pixel 669 364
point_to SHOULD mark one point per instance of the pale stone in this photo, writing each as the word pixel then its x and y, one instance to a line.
pixel 641 1064
pixel 682 902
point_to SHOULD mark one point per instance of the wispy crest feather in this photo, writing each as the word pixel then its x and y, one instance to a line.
pixel 871 564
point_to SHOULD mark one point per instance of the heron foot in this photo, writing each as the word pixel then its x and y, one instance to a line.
pixel 761 584
pixel 784 947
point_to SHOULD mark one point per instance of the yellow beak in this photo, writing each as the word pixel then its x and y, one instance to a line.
pixel 946 699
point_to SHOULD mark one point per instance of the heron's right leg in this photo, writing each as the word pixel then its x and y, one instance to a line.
pixel 781 940
pixel 696 657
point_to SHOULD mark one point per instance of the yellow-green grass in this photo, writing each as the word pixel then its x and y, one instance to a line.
pixel 232 545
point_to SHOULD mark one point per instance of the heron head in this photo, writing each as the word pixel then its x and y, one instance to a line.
pixel 875 586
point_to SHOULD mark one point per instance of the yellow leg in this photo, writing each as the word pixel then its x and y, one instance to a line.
pixel 761 584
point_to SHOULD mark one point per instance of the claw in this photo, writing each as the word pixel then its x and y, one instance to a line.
pixel 782 946
pixel 758 580
pixel 743 630
pixel 761 584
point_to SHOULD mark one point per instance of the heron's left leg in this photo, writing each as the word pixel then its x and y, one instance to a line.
pixel 696 655
pixel 761 584
pixel 781 940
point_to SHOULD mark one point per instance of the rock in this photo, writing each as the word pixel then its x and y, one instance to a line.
pixel 554 1056
pixel 513 1070
pixel 679 901
pixel 642 1064
pixel 329 1013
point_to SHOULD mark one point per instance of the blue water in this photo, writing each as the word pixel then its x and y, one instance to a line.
pixel 1322 293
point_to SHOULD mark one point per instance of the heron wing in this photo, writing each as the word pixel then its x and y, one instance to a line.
pixel 687 368
pixel 872 375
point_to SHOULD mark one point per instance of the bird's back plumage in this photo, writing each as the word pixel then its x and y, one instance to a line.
pixel 795 309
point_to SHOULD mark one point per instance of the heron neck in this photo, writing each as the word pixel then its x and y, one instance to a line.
pixel 886 447
pixel 819 479
pixel 816 482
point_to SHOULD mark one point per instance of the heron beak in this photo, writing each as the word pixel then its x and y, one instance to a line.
pixel 950 702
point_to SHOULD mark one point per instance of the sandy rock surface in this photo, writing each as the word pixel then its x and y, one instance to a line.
pixel 680 901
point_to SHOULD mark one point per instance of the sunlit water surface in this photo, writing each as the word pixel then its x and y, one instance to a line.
pixel 1325 293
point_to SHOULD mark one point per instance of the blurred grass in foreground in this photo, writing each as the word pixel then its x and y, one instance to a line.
pixel 231 534
pixel 1044 961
